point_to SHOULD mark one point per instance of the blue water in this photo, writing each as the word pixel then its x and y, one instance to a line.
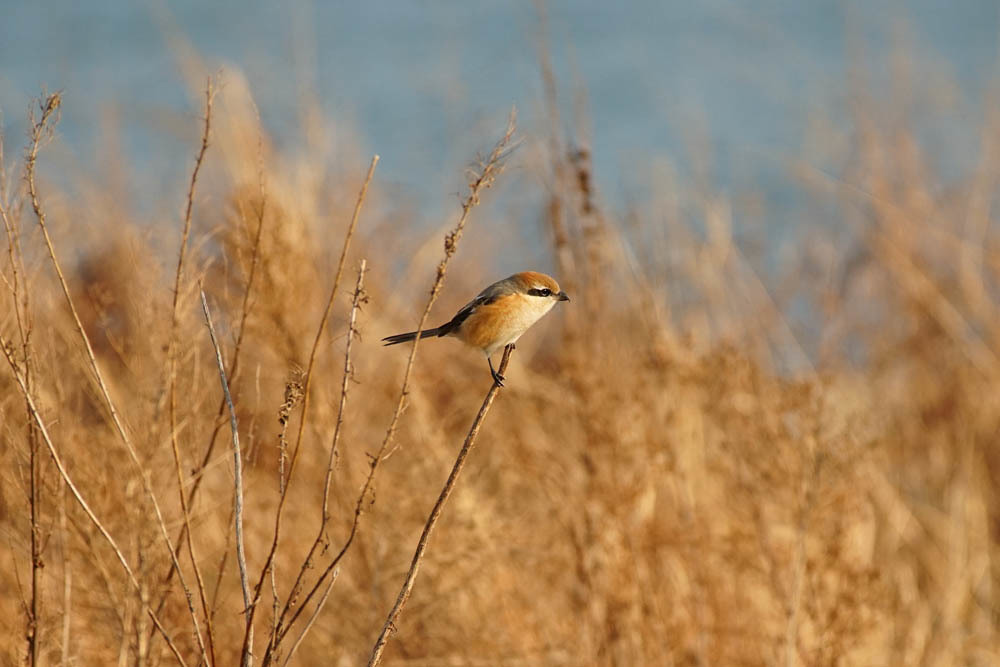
pixel 424 83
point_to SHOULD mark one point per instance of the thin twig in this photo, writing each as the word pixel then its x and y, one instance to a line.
pixel 49 108
pixel 312 618
pixel 234 366
pixel 22 312
pixel 80 499
pixel 220 569
pixel 22 315
pixel 345 383
pixel 67 573
pixel 241 557
pixel 329 305
pixel 357 299
pixel 172 369
pixel 35 501
pixel 449 486
pixel 482 180
pixel 305 390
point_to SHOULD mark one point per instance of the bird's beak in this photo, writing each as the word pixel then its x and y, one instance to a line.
pixel 562 296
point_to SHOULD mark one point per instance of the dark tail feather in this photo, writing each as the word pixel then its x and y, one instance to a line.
pixel 407 337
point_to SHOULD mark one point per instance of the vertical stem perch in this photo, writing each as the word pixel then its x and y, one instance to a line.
pixel 449 486
pixel 238 475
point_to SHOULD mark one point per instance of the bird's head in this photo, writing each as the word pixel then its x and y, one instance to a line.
pixel 539 285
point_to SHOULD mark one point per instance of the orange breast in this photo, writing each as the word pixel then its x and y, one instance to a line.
pixel 485 326
pixel 501 322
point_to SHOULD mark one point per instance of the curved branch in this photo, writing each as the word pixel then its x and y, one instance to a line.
pixel 449 486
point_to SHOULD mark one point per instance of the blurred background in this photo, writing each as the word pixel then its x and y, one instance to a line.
pixel 420 83
pixel 765 430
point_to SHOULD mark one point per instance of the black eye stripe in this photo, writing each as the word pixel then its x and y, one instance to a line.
pixel 545 291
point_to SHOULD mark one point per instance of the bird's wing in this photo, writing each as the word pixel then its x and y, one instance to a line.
pixel 484 298
pixel 467 310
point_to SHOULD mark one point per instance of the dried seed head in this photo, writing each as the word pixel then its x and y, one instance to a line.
pixel 293 396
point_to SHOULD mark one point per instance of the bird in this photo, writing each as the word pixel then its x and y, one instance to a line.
pixel 498 316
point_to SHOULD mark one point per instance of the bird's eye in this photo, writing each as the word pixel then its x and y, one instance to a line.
pixel 546 292
pixel 540 291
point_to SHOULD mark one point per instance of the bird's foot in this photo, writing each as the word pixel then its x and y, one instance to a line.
pixel 497 378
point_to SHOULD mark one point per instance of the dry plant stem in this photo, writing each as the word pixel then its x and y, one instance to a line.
pixel 352 332
pixel 345 384
pixel 172 372
pixel 22 315
pixel 67 578
pixel 49 108
pixel 488 172
pixel 220 570
pixel 254 262
pixel 275 604
pixel 22 310
pixel 359 296
pixel 305 393
pixel 34 485
pixel 312 618
pixel 43 431
pixel 449 486
pixel 237 475
pixel 36 552
pixel 197 476
pixel 326 311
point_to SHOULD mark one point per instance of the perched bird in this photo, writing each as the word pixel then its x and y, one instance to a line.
pixel 498 316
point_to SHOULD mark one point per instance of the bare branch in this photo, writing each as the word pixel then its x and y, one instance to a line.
pixel 329 305
pixel 345 383
pixel 234 364
pixel 449 486
pixel 237 482
pixel 352 332
pixel 172 371
pixel 312 618
pixel 49 108
pixel 22 384
pixel 22 314
pixel 307 383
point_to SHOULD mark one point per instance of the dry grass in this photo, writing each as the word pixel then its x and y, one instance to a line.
pixel 654 486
